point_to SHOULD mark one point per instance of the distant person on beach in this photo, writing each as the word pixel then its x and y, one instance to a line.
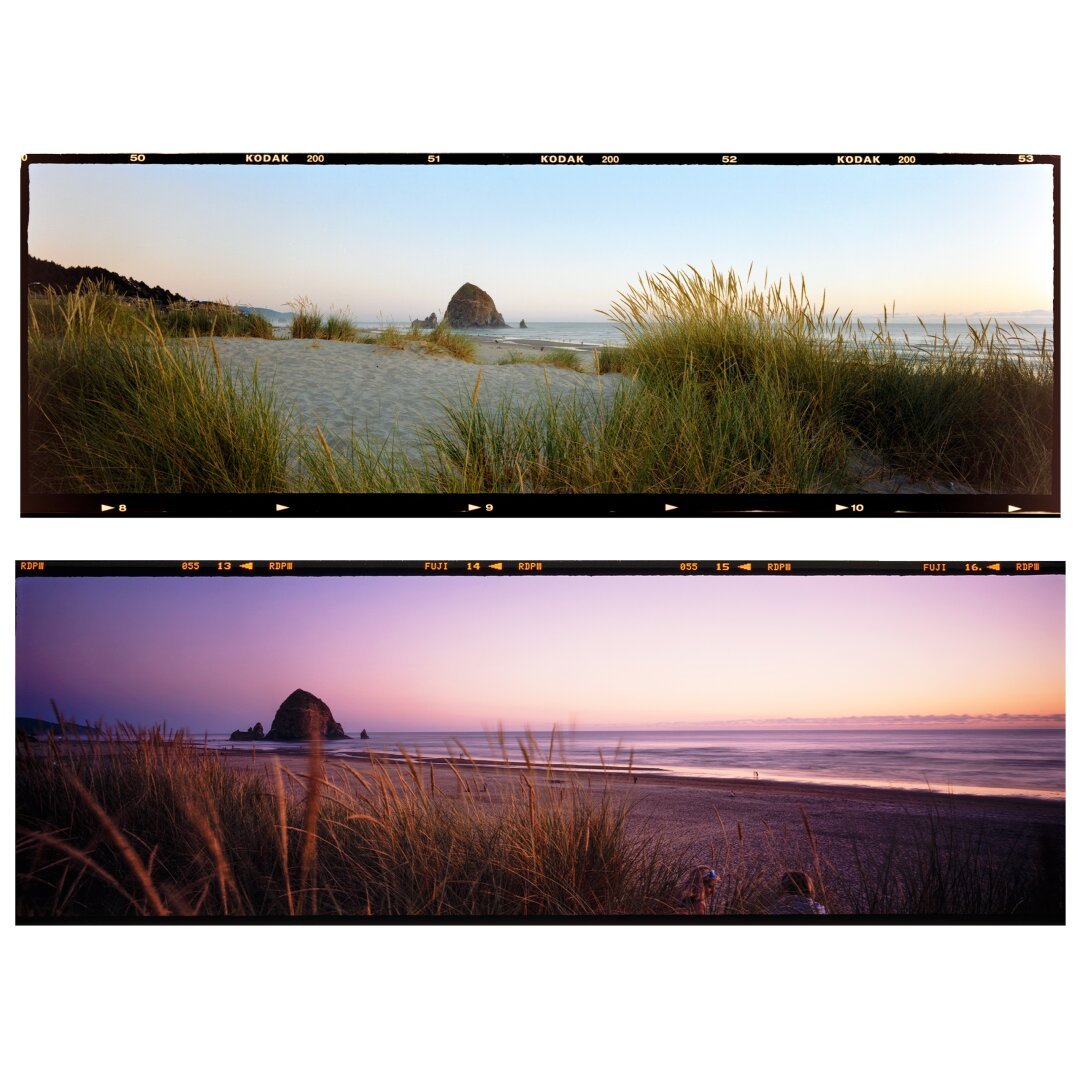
pixel 796 896
pixel 693 896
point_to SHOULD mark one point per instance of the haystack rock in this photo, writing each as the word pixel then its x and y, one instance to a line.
pixel 522 326
pixel 304 716
pixel 471 306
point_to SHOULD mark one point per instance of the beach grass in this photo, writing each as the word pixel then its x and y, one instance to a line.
pixel 340 327
pixel 142 822
pixel 933 867
pixel 307 320
pixel 390 337
pixel 445 340
pixel 54 313
pixel 644 438
pixel 217 320
pixel 742 390
pixel 611 358
pixel 441 340
pixel 113 405
pixel 726 388
pixel 344 464
pixel 145 823
pixel 86 310
pixel 560 358
pixel 974 406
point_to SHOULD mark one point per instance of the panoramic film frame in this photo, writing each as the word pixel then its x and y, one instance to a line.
pixel 890 818
pixel 684 402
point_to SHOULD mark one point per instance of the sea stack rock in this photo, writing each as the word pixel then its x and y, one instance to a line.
pixel 304 716
pixel 364 734
pixel 470 306
pixel 426 324
pixel 253 734
pixel 522 326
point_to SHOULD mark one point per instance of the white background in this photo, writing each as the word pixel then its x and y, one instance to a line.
pixel 536 1001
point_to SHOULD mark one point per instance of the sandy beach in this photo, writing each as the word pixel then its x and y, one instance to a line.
pixel 385 394
pixel 379 392
pixel 759 823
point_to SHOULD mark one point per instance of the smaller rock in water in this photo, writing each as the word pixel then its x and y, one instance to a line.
pixel 251 735
pixel 364 734
pixel 522 326
pixel 429 323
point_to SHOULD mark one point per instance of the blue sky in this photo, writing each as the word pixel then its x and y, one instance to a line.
pixel 549 242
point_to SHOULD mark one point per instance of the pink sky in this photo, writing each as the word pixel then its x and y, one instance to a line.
pixel 397 653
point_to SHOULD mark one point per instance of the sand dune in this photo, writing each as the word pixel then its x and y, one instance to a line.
pixel 380 392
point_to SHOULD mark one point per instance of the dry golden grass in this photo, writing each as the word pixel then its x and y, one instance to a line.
pixel 142 823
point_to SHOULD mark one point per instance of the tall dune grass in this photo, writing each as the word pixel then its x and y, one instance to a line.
pixel 444 339
pixel 390 337
pixel 646 439
pixel 971 407
pixel 728 388
pixel 218 320
pixel 307 320
pixel 339 327
pixel 113 405
pixel 142 822
pixel 736 389
pixel 99 308
pixel 560 358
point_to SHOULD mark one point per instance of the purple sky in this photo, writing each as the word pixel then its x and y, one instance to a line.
pixel 394 654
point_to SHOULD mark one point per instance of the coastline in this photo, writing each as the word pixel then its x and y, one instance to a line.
pixel 537 345
pixel 639 774
pixel 620 778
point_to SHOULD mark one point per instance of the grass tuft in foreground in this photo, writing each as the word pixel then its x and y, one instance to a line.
pixel 115 406
pixel 641 438
pixel 339 327
pixel 443 339
pixel 560 358
pixel 611 358
pixel 974 407
pixel 307 321
pixel 143 823
pixel 747 390
pixel 390 337
pixel 216 320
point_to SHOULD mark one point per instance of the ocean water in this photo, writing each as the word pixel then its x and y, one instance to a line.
pixel 573 333
pixel 1027 761
pixel 919 336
